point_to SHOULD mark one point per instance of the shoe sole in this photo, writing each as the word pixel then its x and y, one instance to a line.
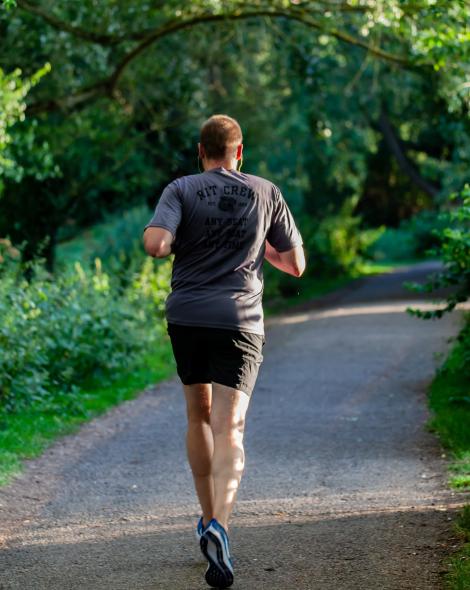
pixel 218 574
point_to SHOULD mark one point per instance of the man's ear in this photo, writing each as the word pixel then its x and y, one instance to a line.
pixel 239 152
pixel 200 151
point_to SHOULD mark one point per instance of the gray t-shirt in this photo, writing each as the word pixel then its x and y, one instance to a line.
pixel 220 220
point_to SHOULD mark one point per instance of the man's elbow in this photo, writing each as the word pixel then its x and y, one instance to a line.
pixel 161 253
pixel 298 270
pixel 161 250
pixel 299 265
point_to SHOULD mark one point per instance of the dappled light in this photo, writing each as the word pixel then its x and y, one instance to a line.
pixel 267 205
pixel 353 310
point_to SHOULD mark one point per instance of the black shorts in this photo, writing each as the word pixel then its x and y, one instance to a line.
pixel 206 355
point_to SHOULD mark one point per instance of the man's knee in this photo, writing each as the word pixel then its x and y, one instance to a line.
pixel 228 427
pixel 199 415
pixel 198 402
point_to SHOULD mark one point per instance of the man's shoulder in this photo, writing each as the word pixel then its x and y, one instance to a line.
pixel 181 184
pixel 189 178
pixel 261 182
pixel 180 181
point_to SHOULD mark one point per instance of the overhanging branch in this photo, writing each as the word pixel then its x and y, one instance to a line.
pixel 395 145
pixel 61 25
pixel 108 86
pixel 107 39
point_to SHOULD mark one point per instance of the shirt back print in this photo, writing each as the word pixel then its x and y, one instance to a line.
pixel 221 220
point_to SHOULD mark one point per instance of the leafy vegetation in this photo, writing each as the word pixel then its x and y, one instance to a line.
pixel 449 396
pixel 314 84
pixel 449 399
pixel 454 250
pixel 57 332
pixel 450 402
pixel 458 577
pixel 25 434
pixel 357 109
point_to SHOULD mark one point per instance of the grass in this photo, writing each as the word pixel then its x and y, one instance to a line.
pixel 449 399
pixel 26 434
pixel 458 577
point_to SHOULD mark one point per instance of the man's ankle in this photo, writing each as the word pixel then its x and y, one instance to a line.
pixel 222 523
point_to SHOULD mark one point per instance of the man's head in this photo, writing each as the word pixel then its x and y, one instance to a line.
pixel 221 139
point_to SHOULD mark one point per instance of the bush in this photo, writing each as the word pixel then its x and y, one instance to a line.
pixel 454 250
pixel 57 332
pixel 116 242
pixel 337 244
pixel 413 239
pixel 394 244
pixel 425 228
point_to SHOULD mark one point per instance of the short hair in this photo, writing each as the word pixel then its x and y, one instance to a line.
pixel 220 134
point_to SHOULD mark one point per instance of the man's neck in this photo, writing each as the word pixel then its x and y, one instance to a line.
pixel 213 164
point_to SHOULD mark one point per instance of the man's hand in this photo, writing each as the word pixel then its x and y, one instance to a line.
pixel 157 242
pixel 291 262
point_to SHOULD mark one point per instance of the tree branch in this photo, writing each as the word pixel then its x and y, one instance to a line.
pixel 60 25
pixel 108 86
pixel 110 40
pixel 306 19
pixel 396 147
pixel 73 101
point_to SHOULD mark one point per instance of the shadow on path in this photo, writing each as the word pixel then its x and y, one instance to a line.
pixel 276 557
pixel 344 488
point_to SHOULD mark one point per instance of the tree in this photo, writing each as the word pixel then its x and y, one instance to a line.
pixel 121 107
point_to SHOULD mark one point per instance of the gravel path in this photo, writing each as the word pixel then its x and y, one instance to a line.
pixel 344 488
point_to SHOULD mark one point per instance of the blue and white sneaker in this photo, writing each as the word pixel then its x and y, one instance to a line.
pixel 199 529
pixel 215 546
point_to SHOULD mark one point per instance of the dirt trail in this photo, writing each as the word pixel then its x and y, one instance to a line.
pixel 344 488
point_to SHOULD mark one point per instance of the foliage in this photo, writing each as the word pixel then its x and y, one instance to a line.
pixel 57 332
pixel 13 91
pixel 116 241
pixel 458 577
pixel 449 400
pixel 9 3
pixel 454 249
pixel 413 239
pixel 338 243
pixel 119 112
pixel 27 433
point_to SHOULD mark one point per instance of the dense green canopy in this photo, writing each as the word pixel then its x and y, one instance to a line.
pixel 341 101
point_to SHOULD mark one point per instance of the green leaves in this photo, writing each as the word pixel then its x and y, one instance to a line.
pixel 13 91
pixel 454 250
pixel 8 4
pixel 56 333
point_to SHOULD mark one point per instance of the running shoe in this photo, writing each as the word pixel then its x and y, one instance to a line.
pixel 199 529
pixel 215 546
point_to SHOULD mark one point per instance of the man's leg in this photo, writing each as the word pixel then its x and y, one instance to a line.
pixel 200 444
pixel 227 420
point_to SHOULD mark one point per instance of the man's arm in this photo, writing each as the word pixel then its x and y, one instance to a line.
pixel 291 262
pixel 157 242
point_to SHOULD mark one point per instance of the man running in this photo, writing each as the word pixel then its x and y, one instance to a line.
pixel 220 224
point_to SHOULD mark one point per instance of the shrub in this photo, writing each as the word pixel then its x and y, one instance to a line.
pixel 454 250
pixel 337 244
pixel 57 332
pixel 425 228
pixel 116 242
pixel 413 239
